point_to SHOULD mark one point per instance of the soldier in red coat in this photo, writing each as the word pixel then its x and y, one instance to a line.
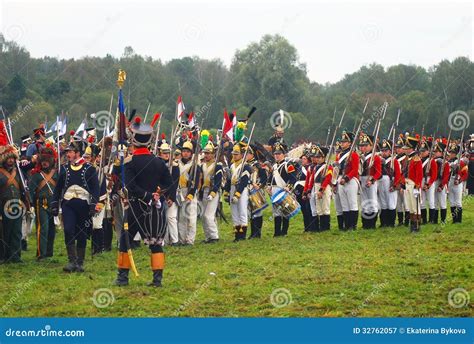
pixel 430 173
pixel 457 178
pixel 371 173
pixel 441 182
pixel 389 186
pixel 347 167
pixel 413 182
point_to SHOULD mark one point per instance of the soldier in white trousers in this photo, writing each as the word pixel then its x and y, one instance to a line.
pixel 189 175
pixel 402 214
pixel 458 175
pixel 441 183
pixel 211 182
pixel 236 191
pixel 430 173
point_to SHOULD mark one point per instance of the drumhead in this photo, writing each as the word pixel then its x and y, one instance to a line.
pixel 279 196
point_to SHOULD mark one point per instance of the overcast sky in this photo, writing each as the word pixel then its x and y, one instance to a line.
pixel 332 38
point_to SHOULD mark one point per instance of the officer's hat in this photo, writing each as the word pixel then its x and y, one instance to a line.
pixel 26 139
pixel 411 142
pixel 37 132
pixel 187 145
pixel 425 145
pixel 321 151
pixel 209 148
pixel 440 145
pixel 278 148
pixel 386 145
pixel 454 148
pixel 365 140
pixel 400 142
pixel 347 136
pixel 76 146
pixel 47 153
pixel 165 148
pixel 141 133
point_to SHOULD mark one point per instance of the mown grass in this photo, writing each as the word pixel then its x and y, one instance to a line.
pixel 381 273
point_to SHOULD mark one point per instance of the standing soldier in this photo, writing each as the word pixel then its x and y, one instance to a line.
pixel 12 203
pixel 389 186
pixel 148 182
pixel 371 173
pixel 320 189
pixel 347 163
pixel 283 177
pixel 77 192
pixel 430 173
pixel 41 185
pixel 189 175
pixel 236 191
pixel 171 237
pixel 402 213
pixel 211 183
pixel 304 202
pixel 258 180
pixel 413 176
pixel 441 182
pixel 455 186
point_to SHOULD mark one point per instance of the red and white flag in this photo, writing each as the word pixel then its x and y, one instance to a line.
pixel 179 108
pixel 191 121
pixel 229 122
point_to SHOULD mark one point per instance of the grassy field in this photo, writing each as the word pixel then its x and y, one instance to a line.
pixel 383 272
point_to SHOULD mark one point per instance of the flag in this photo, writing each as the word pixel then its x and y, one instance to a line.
pixel 179 108
pixel 81 129
pixel 122 134
pixel 228 126
pixel 191 119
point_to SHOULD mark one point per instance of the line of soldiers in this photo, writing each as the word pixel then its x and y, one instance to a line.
pixel 166 193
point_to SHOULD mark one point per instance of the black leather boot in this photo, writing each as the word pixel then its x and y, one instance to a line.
pixel 325 223
pixel 459 215
pixel 444 212
pixel 157 278
pixel 285 224
pixel 435 216
pixel 347 220
pixel 407 218
pixel 72 257
pixel 122 277
pixel 237 233
pixel 424 218
pixel 400 218
pixel 277 223
pixel 81 254
pixel 340 222
pixel 454 214
pixel 354 218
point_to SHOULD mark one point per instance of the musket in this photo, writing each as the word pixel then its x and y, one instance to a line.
pixel 392 163
pixel 446 151
pixel 192 181
pixel 171 148
pixel 381 117
pixel 146 114
pixel 428 168
pixel 332 123
pixel 332 141
pixel 102 155
pixel 155 148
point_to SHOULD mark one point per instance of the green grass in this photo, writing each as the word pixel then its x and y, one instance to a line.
pixel 384 272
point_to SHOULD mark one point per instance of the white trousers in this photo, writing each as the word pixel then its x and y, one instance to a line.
pixel 172 225
pixel 187 219
pixel 239 209
pixel 387 199
pixel 348 195
pixel 321 206
pixel 455 194
pixel 368 196
pixel 428 197
pixel 209 208
pixel 337 202
pixel 440 197
pixel 413 202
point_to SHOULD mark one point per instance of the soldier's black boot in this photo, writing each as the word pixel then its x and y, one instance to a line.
pixel 383 218
pixel 24 245
pixel 393 217
pixel 157 278
pixel 277 223
pixel 430 215
pixel 256 227
pixel 81 254
pixel 423 216
pixel 122 277
pixel 243 234
pixel 400 218
pixel 444 212
pixel 340 222
pixel 237 233
pixel 459 215
pixel 435 216
pixel 285 224
pixel 354 217
pixel 71 256
pixel 407 218
pixel 412 223
pixel 316 224
pixel 347 215
pixel 325 223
